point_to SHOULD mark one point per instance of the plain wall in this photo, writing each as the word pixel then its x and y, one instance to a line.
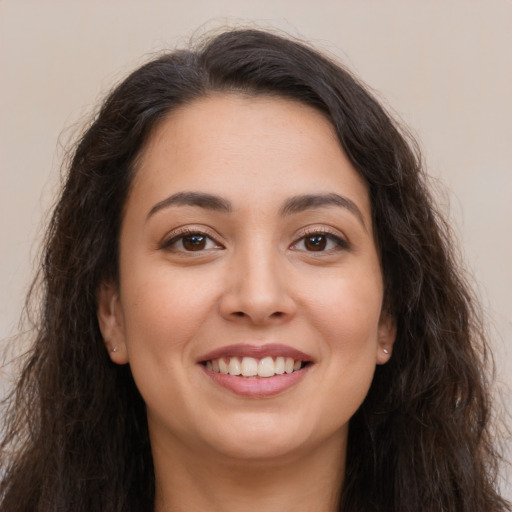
pixel 444 67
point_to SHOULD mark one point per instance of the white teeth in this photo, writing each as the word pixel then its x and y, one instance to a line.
pixel 234 366
pixel 251 367
pixel 279 366
pixel 266 368
pixel 223 366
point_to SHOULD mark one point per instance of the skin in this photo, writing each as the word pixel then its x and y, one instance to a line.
pixel 257 280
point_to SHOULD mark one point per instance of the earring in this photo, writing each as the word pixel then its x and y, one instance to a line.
pixel 114 349
pixel 385 350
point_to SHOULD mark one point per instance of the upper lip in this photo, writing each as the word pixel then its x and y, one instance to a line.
pixel 256 351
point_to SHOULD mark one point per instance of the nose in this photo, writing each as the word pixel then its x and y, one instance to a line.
pixel 257 291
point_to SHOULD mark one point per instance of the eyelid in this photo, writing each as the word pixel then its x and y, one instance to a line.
pixel 332 233
pixel 175 234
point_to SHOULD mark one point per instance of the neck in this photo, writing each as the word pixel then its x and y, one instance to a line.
pixel 300 483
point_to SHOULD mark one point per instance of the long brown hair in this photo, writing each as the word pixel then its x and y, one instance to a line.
pixel 75 437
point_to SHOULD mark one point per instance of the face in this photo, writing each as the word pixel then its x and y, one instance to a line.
pixel 247 246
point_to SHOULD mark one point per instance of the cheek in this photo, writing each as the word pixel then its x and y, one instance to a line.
pixel 347 309
pixel 164 310
pixel 348 322
pixel 163 314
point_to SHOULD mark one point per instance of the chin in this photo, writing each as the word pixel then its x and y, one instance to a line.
pixel 260 437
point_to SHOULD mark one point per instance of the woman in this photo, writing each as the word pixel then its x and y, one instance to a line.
pixel 250 303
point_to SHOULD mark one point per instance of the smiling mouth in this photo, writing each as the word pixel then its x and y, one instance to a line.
pixel 257 371
pixel 252 367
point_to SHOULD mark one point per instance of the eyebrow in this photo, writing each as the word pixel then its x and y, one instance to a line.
pixel 291 206
pixel 304 202
pixel 200 199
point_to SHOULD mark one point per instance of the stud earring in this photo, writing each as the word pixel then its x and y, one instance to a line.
pixel 114 349
pixel 385 350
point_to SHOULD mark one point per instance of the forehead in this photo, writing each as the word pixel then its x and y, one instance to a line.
pixel 266 145
pixel 233 121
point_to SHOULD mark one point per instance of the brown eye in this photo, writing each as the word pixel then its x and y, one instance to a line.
pixel 315 243
pixel 321 242
pixel 194 242
pixel 190 242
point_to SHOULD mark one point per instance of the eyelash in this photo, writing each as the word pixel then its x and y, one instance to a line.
pixel 182 235
pixel 341 244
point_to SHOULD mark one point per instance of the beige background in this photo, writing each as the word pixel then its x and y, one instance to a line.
pixel 444 66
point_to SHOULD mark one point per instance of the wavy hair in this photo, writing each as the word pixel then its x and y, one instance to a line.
pixel 76 437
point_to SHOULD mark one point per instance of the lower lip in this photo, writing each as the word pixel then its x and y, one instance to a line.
pixel 257 387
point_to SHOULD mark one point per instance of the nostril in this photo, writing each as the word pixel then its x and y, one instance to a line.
pixel 239 313
pixel 277 314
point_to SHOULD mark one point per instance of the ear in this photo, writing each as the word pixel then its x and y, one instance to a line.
pixel 386 338
pixel 110 319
